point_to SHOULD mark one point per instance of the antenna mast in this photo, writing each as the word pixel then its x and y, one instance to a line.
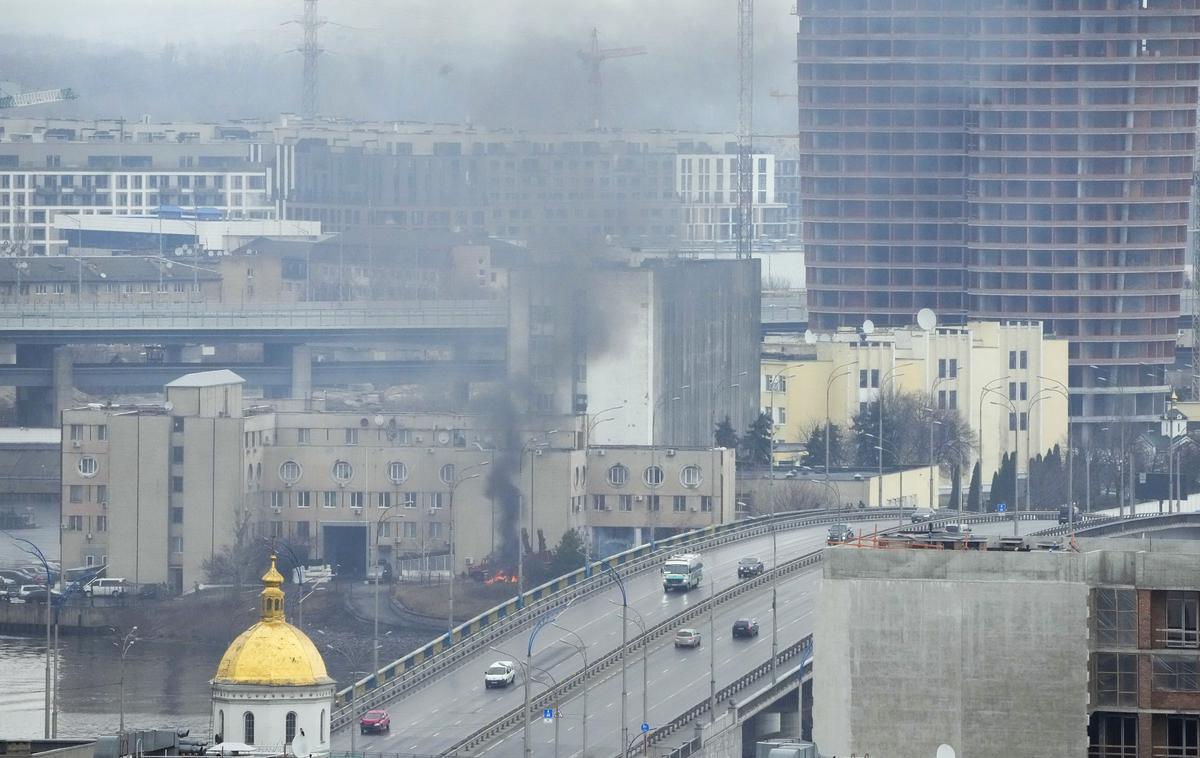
pixel 745 159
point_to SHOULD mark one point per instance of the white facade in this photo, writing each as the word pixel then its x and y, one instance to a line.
pixel 222 236
pixel 707 185
pixel 270 717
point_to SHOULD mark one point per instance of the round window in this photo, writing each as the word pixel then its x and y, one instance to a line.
pixel 88 466
pixel 397 472
pixel 653 476
pixel 618 475
pixel 342 472
pixel 290 471
pixel 447 473
pixel 691 476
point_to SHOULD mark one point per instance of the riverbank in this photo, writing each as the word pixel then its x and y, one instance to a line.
pixel 471 598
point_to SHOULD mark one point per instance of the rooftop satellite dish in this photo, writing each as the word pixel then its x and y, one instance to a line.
pixel 379 421
pixel 868 327
pixel 810 338
pixel 943 751
pixel 168 406
pixel 301 750
pixel 926 319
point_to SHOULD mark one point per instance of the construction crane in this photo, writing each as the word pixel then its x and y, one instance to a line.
pixel 745 139
pixel 40 97
pixel 592 58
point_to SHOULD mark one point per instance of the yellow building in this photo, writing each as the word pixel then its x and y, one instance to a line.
pixel 1006 379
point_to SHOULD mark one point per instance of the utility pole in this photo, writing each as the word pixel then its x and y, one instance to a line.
pixel 745 158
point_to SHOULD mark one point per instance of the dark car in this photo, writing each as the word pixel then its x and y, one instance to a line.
pixel 839 533
pixel 749 567
pixel 1064 514
pixel 745 628
pixel 377 720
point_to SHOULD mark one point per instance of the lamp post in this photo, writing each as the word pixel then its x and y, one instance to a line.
pixel 641 624
pixel 712 400
pixel 581 648
pixel 557 694
pixel 832 487
pixel 651 502
pixel 593 422
pixel 982 394
pixel 124 645
pixel 533 447
pixel 527 666
pixel 889 375
pixel 386 515
pixel 1065 392
pixel 836 374
pixel 1015 420
pixel 882 448
pixel 462 477
pixel 1042 394
pixel 31 549
pixel 624 653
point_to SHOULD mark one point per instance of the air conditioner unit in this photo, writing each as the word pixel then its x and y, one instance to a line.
pixel 419 438
pixel 266 439
pixel 341 485
pixel 607 507
pixel 537 451
pixel 89 537
pixel 288 485
pixel 103 503
pixel 670 452
pixel 75 443
pixel 692 509
pixel 638 498
pixel 600 453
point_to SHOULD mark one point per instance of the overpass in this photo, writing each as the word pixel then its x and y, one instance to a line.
pixel 446 710
pixel 1126 526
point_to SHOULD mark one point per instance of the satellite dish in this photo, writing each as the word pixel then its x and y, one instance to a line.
pixel 868 327
pixel 943 751
pixel 168 406
pixel 810 337
pixel 926 319
pixel 301 750
pixel 379 421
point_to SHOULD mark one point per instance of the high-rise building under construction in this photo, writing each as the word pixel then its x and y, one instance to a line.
pixel 1005 159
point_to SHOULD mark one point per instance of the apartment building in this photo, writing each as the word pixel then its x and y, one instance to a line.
pixel 1006 379
pixel 1006 160
pixel 153 491
pixel 118 280
pixel 999 653
pixel 707 187
pixel 40 180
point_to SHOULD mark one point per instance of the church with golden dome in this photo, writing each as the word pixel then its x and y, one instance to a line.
pixel 271 689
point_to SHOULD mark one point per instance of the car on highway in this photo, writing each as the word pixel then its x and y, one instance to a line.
pixel 921 515
pixel 745 628
pixel 956 530
pixel 500 674
pixel 749 567
pixel 1065 514
pixel 839 534
pixel 687 638
pixel 376 720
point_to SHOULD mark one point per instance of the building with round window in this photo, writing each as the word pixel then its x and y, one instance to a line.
pixel 271 685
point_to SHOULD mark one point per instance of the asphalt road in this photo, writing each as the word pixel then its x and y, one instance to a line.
pixel 456 705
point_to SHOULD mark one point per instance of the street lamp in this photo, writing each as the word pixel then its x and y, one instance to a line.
pixel 832 487
pixel 989 387
pixel 527 666
pixel 530 447
pixel 624 654
pixel 641 623
pixel 712 401
pixel 462 477
pixel 557 694
pixel 31 549
pixel 386 515
pixel 124 645
pixel 1015 421
pixel 889 375
pixel 581 648
pixel 651 501
pixel 836 374
pixel 882 447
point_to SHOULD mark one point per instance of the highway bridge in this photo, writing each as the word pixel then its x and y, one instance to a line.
pixel 441 707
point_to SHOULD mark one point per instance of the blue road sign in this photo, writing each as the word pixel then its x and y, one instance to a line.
pixel 645 727
pixel 548 714
pixel 1000 508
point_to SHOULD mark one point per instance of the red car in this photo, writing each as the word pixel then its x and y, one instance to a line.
pixel 375 721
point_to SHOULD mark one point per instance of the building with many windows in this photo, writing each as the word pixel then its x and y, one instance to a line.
pixel 1005 160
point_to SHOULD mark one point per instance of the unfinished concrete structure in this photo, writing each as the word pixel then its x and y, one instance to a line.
pixel 1002 654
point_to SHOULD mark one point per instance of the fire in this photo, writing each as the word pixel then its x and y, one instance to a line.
pixel 501 577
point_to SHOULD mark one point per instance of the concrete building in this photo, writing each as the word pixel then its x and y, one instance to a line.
pixel 153 491
pixel 1002 653
pixel 167 232
pixel 788 489
pixel 707 187
pixel 656 350
pixel 119 280
pixel 29 468
pixel 991 160
pixel 1005 379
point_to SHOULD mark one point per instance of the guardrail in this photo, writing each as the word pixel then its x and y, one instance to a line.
pixel 555 694
pixel 1088 523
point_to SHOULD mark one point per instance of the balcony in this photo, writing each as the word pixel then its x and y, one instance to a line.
pixel 1187 638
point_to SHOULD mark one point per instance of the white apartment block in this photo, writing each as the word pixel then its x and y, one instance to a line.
pixel 708 188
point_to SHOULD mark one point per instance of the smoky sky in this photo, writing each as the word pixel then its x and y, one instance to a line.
pixel 505 63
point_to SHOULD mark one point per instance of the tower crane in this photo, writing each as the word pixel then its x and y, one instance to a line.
pixel 592 58
pixel 40 97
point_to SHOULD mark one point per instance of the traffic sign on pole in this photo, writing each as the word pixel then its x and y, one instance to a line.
pixel 547 715
pixel 1000 508
pixel 645 727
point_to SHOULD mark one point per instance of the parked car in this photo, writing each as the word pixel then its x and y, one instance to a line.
pixel 921 515
pixel 376 720
pixel 687 638
pixel 500 674
pixel 745 628
pixel 107 587
pixel 839 533
pixel 749 567
pixel 36 593
pixel 1064 514
pixel 956 530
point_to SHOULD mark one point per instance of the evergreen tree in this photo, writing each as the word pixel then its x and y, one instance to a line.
pixel 975 488
pixel 569 554
pixel 814 446
pixel 756 442
pixel 955 488
pixel 724 435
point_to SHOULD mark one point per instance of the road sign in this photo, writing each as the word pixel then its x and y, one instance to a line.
pixel 645 727
pixel 1000 507
pixel 547 715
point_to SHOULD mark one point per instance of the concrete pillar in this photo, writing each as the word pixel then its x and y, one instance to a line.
pixel 789 723
pixel 62 381
pixel 173 353
pixel 286 356
pixel 806 714
pixel 40 406
pixel 301 371
pixel 766 724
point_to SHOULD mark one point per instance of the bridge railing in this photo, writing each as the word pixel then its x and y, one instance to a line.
pixel 1089 523
pixel 448 650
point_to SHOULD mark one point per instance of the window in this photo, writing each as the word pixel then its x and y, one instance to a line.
pixel 706 503
pixel 652 502
pixel 342 472
pixel 626 502
pixel 1024 359
pixel 598 503
pixel 397 472
pixel 177 484
pixel 1024 420
pixel 653 476
pixel 1012 390
pixel 446 474
pixel 1116 616
pixel 329 499
pixel 102 432
pixel 408 499
pixel 1116 679
pixel 102 523
pixel 88 466
pixel 410 529
pixel 220 725
pixel 691 476
pixel 352 436
pixel 303 436
pixel 177 424
pixel 679 504
pixel 76 491
pixel 177 544
pixel 248 728
pixel 776 383
pixel 322 725
pixel 781 415
pixel 1183 624
pixel 1012 358
pixel 176 454
pixel 75 523
pixel 862 378
pixel 435 530
pixel 76 432
pixel 303 499
pixel 1012 422
pixel 176 515
pixel 433 500
pixel 289 727
pixel 875 378
pixel 383 500
pixel 290 471
pixel 618 475
pixel 953 400
pixel 953 373
pixel 1023 390
pixel 277 499
pixel 1176 674
pixel 357 499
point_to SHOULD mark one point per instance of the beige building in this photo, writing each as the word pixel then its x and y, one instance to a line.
pixel 154 491
pixel 1006 379
pixel 758 493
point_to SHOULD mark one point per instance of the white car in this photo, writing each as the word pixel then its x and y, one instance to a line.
pixel 500 674
pixel 687 638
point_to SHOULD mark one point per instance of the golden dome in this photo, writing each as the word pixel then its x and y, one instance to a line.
pixel 272 651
